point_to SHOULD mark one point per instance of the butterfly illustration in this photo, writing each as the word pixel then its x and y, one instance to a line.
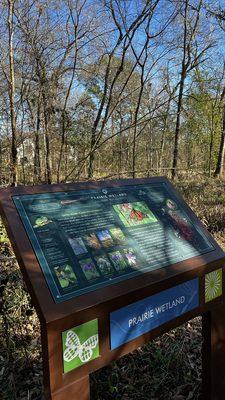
pixel 76 349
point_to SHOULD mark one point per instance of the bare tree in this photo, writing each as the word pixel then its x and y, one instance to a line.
pixel 11 85
pixel 220 159
pixel 125 35
pixel 191 58
pixel 81 34
pixel 219 14
pixel 82 89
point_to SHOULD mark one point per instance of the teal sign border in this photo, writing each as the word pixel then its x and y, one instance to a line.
pixel 56 293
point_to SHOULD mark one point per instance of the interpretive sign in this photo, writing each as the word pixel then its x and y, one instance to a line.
pixel 85 240
pixel 110 265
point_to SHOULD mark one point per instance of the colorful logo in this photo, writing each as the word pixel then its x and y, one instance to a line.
pixel 80 345
pixel 213 285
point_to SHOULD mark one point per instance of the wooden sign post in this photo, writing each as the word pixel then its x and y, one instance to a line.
pixel 111 265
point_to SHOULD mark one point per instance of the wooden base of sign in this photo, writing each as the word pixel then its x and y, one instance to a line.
pixel 79 390
pixel 213 363
pixel 213 374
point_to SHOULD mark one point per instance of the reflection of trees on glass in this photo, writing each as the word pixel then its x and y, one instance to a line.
pixel 84 250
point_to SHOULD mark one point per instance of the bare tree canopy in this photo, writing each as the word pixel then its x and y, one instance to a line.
pixel 110 88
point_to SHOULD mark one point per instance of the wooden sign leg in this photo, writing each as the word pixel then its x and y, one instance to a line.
pixel 79 390
pixel 213 357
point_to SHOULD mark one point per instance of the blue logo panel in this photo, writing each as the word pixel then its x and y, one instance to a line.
pixel 141 317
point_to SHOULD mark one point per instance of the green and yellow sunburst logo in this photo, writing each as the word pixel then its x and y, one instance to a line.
pixel 213 285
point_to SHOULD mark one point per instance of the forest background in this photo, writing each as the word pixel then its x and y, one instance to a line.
pixel 110 89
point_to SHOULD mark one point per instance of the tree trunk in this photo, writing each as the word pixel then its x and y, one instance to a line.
pixel 163 137
pixel 62 145
pixel 177 130
pixel 92 155
pixel 180 96
pixel 134 149
pixel 134 153
pixel 220 160
pixel 37 163
pixel 47 140
pixel 1 166
pixel 11 83
pixel 120 163
pixel 211 143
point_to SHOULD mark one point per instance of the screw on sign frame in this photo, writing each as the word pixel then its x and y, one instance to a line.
pixel 79 334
